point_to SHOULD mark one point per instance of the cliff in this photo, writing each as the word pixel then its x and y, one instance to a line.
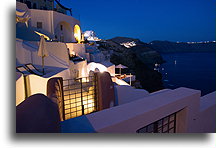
pixel 141 50
pixel 141 57
pixel 138 57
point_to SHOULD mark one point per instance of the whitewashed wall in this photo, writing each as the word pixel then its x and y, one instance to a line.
pixel 51 21
pixel 130 117
pixel 61 18
pixel 56 65
pixel 77 48
pixel 26 52
pixel 20 88
pixel 43 16
pixel 205 122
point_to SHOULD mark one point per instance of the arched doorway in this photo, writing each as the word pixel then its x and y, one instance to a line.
pixel 77 33
pixel 34 6
pixel 63 32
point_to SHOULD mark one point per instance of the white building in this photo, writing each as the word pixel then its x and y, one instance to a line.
pixel 124 109
pixel 63 36
pixel 91 36
pixel 62 27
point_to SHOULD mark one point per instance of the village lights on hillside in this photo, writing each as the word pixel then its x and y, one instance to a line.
pixel 201 42
pixel 129 44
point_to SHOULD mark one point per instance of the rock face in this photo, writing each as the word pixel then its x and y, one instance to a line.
pixel 139 58
pixel 170 47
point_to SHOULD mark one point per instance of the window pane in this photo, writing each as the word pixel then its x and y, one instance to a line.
pixel 164 125
pixel 39 25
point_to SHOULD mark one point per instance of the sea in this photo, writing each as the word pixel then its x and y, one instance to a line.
pixel 191 70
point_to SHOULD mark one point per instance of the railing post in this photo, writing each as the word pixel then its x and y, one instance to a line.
pixel 130 79
pixel 82 97
pixel 175 122
pixel 95 91
pixel 25 86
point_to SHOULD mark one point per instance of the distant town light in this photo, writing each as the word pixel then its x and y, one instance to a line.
pixel 129 44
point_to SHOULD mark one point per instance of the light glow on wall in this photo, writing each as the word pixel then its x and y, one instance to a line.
pixel 41 34
pixel 77 33
pixel 73 107
pixel 96 66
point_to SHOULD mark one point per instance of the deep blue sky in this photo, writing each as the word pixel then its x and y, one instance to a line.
pixel 148 20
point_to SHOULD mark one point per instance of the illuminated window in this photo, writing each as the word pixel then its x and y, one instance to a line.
pixel 39 25
pixel 79 97
pixel 164 125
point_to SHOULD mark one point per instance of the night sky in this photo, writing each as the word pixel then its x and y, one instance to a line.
pixel 148 20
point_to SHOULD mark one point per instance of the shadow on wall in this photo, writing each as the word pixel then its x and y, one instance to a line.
pixel 25 33
pixel 37 114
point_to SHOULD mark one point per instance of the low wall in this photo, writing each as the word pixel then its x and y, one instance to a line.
pixel 20 89
pixel 35 84
pixel 205 122
pixel 26 52
pixel 130 117
pixel 77 48
pixel 119 81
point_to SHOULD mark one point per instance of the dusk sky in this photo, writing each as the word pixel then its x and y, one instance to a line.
pixel 148 20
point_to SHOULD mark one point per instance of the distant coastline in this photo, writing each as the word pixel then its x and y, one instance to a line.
pixel 141 57
pixel 181 47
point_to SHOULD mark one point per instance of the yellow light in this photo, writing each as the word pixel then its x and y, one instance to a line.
pixel 73 107
pixel 77 33
pixel 88 104
pixel 41 34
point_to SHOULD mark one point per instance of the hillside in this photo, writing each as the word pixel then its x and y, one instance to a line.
pixel 144 53
pixel 138 57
